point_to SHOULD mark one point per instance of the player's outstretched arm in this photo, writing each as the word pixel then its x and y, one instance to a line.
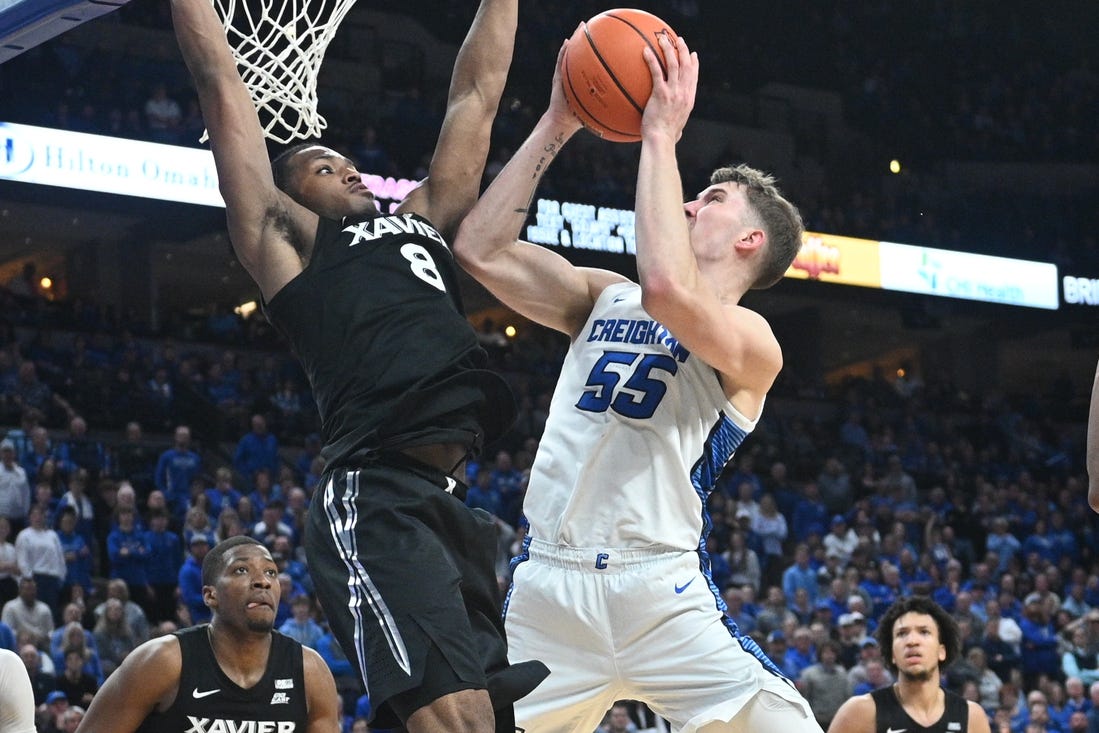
pixel 258 214
pixel 532 280
pixel 476 85
pixel 856 715
pixel 320 692
pixel 148 677
pixel 1093 445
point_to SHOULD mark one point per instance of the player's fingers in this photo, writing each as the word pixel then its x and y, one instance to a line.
pixel 671 57
pixel 655 68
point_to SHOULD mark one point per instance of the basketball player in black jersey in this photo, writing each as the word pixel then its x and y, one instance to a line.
pixel 369 303
pixel 234 673
pixel 918 638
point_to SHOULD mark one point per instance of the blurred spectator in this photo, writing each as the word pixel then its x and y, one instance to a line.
pixel 48 715
pixel 744 568
pixel 163 565
pixel 222 495
pixel 190 579
pixel 738 611
pixel 272 525
pixel 134 460
pixel 29 392
pixel 1039 645
pixel 77 553
pixel 77 450
pixel 877 677
pixel 800 655
pixel 27 616
pixel 835 486
pixel 482 494
pixel 163 116
pixel 824 684
pixel 257 449
pixel 1077 662
pixel 263 490
pixel 73 613
pixel 43 683
pixel 129 555
pixel 869 664
pixel 9 564
pixel 176 468
pixel 135 616
pixel 301 627
pixel 15 491
pixel 508 484
pixel 769 529
pixel 773 614
pixel 40 556
pixel 115 638
pixel 810 515
pixel 75 642
pixel 800 575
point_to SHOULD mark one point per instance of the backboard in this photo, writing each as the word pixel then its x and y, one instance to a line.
pixel 27 23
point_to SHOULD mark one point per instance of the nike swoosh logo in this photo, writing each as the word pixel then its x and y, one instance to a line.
pixel 198 695
pixel 619 299
pixel 681 588
pixel 895 730
pixel 451 484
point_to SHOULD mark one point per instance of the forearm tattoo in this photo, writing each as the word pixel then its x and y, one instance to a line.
pixel 549 152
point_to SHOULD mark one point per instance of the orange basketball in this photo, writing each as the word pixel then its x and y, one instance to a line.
pixel 607 82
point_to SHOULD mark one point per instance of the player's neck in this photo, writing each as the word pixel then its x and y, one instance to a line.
pixel 241 654
pixel 923 700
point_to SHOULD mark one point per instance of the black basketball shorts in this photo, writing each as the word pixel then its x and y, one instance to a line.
pixel 403 570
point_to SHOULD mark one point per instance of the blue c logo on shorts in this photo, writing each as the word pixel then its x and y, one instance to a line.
pixel 601 560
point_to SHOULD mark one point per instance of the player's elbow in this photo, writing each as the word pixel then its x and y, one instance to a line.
pixel 1093 488
pixel 661 296
pixel 473 243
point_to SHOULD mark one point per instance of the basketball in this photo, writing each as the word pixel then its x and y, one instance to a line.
pixel 606 80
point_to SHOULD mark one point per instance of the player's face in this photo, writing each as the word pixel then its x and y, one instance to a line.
pixel 917 650
pixel 719 216
pixel 328 184
pixel 247 593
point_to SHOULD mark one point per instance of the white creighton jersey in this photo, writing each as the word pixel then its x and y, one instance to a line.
pixel 639 430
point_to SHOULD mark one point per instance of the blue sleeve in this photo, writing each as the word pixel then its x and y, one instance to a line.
pixel 337 666
pixel 113 542
pixel 189 590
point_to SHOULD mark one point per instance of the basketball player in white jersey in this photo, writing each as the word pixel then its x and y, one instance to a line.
pixel 662 381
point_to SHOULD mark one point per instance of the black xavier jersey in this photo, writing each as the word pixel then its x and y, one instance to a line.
pixel 376 320
pixel 209 702
pixel 891 717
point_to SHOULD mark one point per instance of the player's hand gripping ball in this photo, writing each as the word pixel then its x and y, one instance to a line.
pixel 606 80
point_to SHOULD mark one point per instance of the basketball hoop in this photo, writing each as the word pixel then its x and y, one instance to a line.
pixel 279 46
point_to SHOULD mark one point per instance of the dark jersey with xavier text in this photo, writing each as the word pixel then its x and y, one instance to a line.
pixel 209 702
pixel 891 717
pixel 376 320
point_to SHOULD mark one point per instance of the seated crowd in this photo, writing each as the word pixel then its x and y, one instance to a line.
pixel 889 488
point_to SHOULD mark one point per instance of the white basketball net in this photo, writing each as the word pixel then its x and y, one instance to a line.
pixel 279 46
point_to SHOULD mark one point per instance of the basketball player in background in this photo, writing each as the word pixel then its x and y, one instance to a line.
pixel 369 303
pixel 1093 445
pixel 16 695
pixel 234 673
pixel 662 382
pixel 918 639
